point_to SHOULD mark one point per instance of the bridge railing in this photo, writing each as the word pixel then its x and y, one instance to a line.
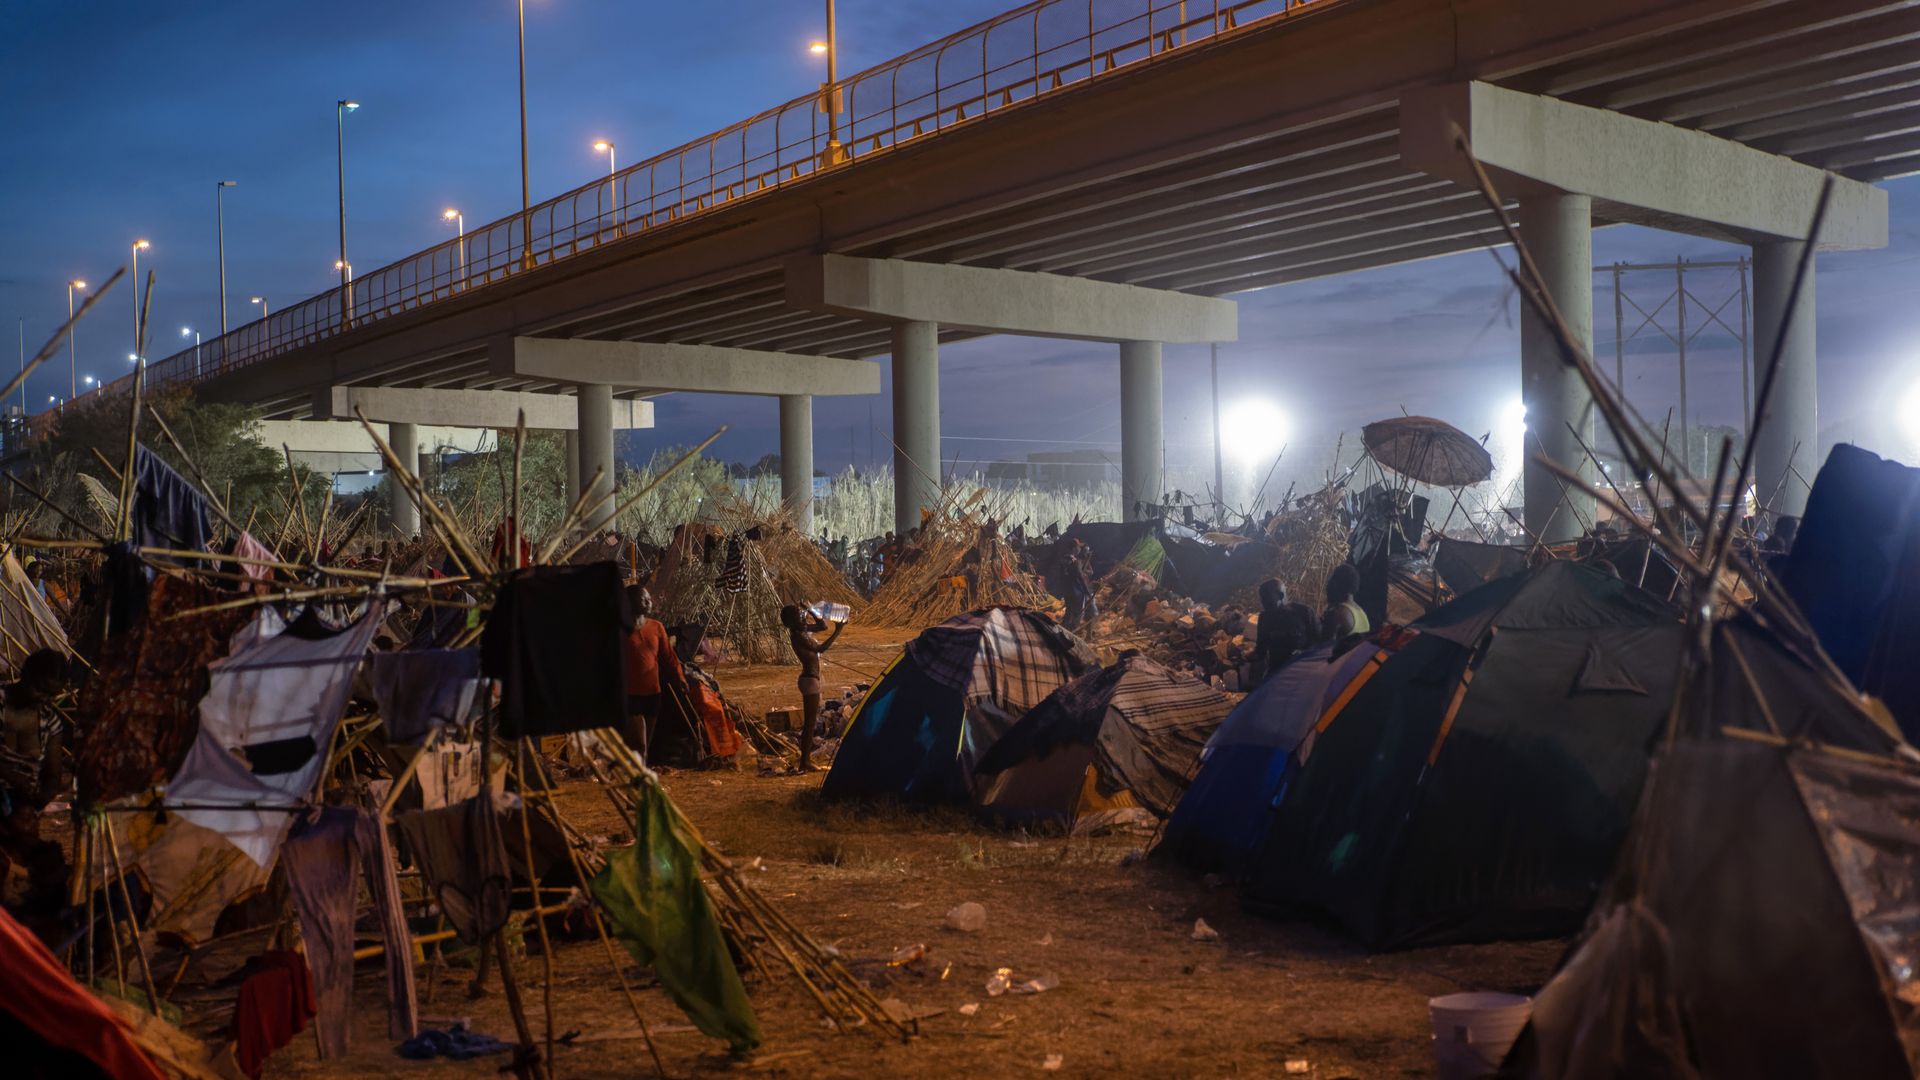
pixel 1030 52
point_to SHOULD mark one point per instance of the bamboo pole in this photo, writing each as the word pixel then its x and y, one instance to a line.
pixel 649 486
pixel 60 335
pixel 140 946
pixel 219 507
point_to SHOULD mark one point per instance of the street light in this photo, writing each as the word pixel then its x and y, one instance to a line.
pixel 604 147
pixel 262 301
pixel 340 110
pixel 72 362
pixel 138 247
pixel 460 225
pixel 220 238
pixel 830 90
pixel 526 197
pixel 184 331
pixel 86 380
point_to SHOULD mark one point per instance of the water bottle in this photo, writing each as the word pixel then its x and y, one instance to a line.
pixel 830 612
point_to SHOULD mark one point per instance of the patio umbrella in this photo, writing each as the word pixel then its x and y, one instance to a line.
pixel 1428 450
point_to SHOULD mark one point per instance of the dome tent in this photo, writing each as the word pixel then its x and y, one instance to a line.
pixel 1477 783
pixel 943 702
pixel 1127 735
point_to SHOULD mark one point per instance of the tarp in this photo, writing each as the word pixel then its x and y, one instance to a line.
pixel 952 692
pixel 661 912
pixel 1855 574
pixel 54 1022
pixel 1139 726
pixel 1479 782
pixel 27 622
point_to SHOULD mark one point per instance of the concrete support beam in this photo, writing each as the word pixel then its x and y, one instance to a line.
pixel 1638 171
pixel 1142 432
pixel 466 408
pixel 405 516
pixel 916 422
pixel 1559 232
pixel 1786 441
pixel 1005 301
pixel 348 438
pixel 596 450
pixel 699 369
pixel 796 458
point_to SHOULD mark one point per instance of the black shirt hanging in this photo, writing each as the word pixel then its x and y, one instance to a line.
pixel 555 641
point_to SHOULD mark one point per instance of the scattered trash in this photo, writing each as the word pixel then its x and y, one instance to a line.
pixel 946 970
pixel 968 918
pixel 1203 932
pixel 1053 1063
pixel 1038 985
pixel 457 1044
pixel 1002 979
pixel 906 955
pixel 1047 940
pixel 969 1008
pixel 1298 1067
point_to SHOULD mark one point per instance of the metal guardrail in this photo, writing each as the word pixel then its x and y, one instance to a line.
pixel 1011 59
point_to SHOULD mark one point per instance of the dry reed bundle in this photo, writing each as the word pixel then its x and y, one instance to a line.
pixel 958 563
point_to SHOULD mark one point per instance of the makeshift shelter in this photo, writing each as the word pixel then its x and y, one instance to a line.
pixel 1125 736
pixel 1225 814
pixel 946 699
pixel 1476 783
pixel 1855 574
pixel 1759 921
pixel 52 1025
pixel 27 621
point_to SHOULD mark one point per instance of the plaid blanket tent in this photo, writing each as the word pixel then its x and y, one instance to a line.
pixel 947 698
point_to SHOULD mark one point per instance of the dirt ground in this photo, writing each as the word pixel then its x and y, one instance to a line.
pixel 1136 994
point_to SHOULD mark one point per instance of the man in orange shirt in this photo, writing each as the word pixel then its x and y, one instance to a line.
pixel 650 659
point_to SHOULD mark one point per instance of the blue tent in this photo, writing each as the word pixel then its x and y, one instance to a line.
pixel 1226 812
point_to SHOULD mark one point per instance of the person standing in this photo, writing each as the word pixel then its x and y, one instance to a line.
pixel 651 664
pixel 807 649
pixel 1285 628
pixel 1343 616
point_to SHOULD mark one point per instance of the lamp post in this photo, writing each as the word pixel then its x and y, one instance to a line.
pixel 613 200
pixel 340 110
pixel 138 247
pixel 460 225
pixel 73 363
pixel 220 238
pixel 526 197
pixel 830 48
pixel 262 301
pixel 184 331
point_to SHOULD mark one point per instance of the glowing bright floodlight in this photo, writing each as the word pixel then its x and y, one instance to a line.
pixel 1908 418
pixel 818 48
pixel 1253 432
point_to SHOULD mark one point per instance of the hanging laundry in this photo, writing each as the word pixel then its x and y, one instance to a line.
pixel 556 641
pixel 168 512
pixel 419 689
pixel 265 727
pixel 324 854
pixel 450 773
pixel 459 852
pixel 135 722
pixel 660 911
pixel 246 547
pixel 733 575
pixel 275 1003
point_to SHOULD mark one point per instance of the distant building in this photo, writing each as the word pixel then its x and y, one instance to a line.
pixel 1058 469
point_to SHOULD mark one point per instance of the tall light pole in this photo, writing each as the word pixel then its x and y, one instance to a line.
pixel 186 330
pixel 73 363
pixel 830 48
pixel 262 301
pixel 460 225
pixel 526 194
pixel 340 110
pixel 138 247
pixel 606 147
pixel 220 238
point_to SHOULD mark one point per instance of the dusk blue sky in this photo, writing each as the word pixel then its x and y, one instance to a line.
pixel 119 117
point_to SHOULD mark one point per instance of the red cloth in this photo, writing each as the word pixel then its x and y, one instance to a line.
pixel 276 1001
pixel 648 654
pixel 722 737
pixel 43 997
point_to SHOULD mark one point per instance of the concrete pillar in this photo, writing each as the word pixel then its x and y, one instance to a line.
pixel 596 449
pixel 796 458
pixel 1558 231
pixel 405 440
pixel 1142 432
pixel 1787 439
pixel 571 452
pixel 916 422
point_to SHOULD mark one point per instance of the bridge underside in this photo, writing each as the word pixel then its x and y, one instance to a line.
pixel 1266 157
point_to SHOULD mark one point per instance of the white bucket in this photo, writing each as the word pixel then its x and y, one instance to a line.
pixel 1473 1032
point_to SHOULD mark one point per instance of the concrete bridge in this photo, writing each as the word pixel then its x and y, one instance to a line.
pixel 1108 170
